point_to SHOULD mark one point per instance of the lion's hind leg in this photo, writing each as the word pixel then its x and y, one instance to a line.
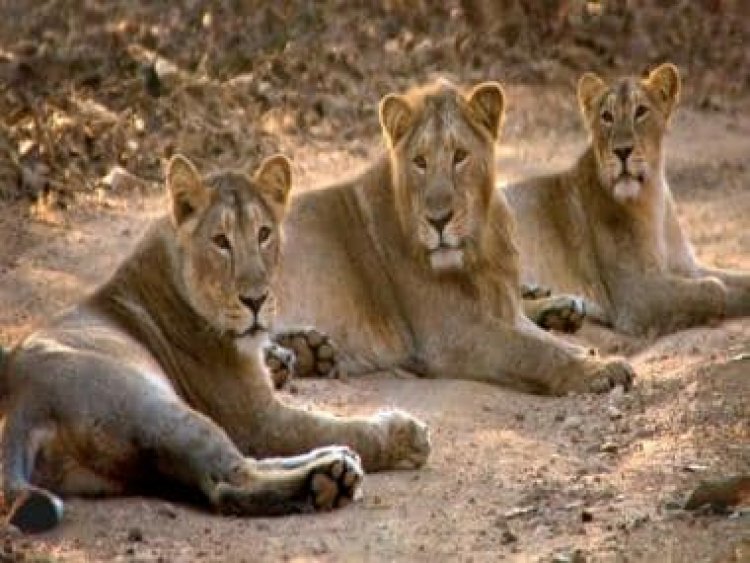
pixel 323 479
pixel 32 509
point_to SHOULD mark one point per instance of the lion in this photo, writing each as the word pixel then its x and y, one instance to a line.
pixel 607 229
pixel 158 378
pixel 411 265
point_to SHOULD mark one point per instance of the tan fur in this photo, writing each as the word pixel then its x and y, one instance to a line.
pixel 609 231
pixel 158 374
pixel 365 260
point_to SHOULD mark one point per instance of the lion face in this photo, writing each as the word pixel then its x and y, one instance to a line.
pixel 442 159
pixel 627 121
pixel 228 241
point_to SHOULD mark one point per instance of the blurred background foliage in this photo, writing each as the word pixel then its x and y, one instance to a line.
pixel 88 85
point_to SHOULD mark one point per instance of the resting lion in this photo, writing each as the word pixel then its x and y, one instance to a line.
pixel 607 229
pixel 411 265
pixel 157 378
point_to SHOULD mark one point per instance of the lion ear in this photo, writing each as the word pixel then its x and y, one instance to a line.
pixel 186 189
pixel 664 83
pixel 395 117
pixel 590 88
pixel 274 180
pixel 487 101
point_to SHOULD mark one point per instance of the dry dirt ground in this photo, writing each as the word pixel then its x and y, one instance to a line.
pixel 512 477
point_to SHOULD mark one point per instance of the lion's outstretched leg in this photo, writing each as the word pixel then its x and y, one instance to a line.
pixel 387 440
pixel 320 480
pixel 738 290
pixel 666 303
pixel 529 359
pixel 148 422
pixel 314 353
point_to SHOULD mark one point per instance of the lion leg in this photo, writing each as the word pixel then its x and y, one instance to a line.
pixel 320 480
pixel 32 509
pixel 738 289
pixel 662 304
pixel 387 440
pixel 314 353
pixel 529 359
pixel 190 448
pixel 563 313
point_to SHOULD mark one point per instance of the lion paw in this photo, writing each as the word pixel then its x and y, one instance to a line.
pixel 314 353
pixel 280 363
pixel 609 374
pixel 562 313
pixel 534 291
pixel 335 479
pixel 408 440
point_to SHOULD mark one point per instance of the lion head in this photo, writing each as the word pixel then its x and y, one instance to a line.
pixel 441 145
pixel 626 122
pixel 227 232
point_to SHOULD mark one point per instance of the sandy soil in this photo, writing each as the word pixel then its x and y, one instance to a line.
pixel 513 477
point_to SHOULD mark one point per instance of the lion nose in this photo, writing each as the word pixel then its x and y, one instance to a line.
pixel 623 153
pixel 253 303
pixel 440 222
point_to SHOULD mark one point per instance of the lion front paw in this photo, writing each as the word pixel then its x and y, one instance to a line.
pixel 610 373
pixel 563 313
pixel 534 291
pixel 280 362
pixel 408 440
pixel 335 479
pixel 314 353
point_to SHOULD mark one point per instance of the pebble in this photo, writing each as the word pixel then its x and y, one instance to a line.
pixel 135 535
pixel 614 413
pixel 573 423
pixel 575 556
pixel 608 447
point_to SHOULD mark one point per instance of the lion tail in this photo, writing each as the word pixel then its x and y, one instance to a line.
pixel 4 357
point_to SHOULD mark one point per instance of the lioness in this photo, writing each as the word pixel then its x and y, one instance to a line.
pixel 607 229
pixel 412 265
pixel 158 376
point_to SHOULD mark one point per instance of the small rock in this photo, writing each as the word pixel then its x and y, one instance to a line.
pixel 508 537
pixel 573 423
pixel 135 535
pixel 614 413
pixel 587 516
pixel 519 511
pixel 575 556
pixel 608 447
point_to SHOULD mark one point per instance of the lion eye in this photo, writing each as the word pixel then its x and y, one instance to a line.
pixel 607 117
pixel 263 234
pixel 641 112
pixel 459 156
pixel 221 241
pixel 420 162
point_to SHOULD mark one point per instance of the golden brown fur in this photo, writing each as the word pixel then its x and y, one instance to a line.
pixel 607 229
pixel 158 375
pixel 411 265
